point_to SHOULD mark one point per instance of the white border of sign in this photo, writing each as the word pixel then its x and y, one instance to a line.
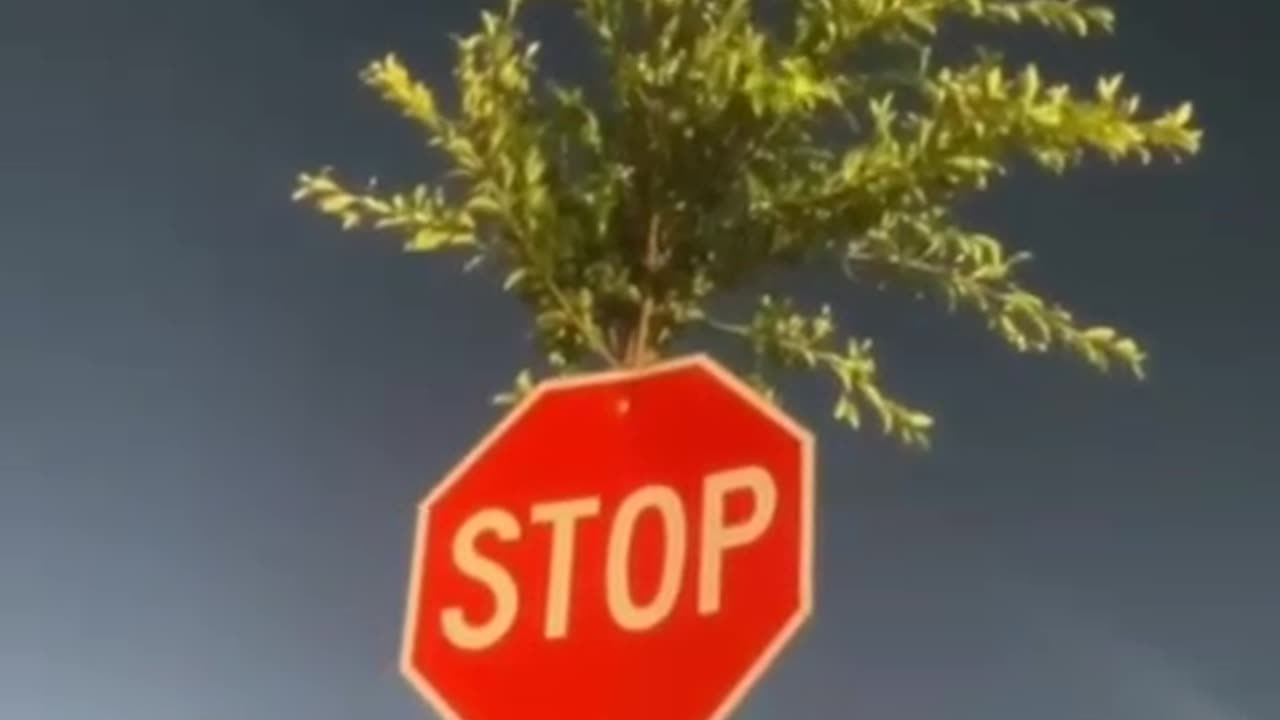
pixel 807 507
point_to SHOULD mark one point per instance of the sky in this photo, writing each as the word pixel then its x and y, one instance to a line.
pixel 217 412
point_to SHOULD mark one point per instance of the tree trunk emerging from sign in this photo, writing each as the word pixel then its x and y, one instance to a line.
pixel 712 161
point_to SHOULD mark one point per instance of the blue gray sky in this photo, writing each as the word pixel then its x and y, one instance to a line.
pixel 217 412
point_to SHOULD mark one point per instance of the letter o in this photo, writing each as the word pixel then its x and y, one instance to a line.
pixel 626 612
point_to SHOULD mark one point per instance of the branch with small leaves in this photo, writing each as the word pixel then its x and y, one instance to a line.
pixel 422 216
pixel 975 270
pixel 831 29
pixel 784 338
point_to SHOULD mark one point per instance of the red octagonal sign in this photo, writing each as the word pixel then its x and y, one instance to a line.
pixel 624 546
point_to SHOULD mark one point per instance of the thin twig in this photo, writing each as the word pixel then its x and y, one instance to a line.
pixel 638 350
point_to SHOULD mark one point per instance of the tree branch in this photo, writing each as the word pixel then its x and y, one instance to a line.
pixel 639 345
pixel 789 339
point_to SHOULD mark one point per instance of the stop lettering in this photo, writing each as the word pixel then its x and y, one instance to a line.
pixel 623 545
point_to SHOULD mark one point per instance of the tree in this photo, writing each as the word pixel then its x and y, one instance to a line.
pixel 724 148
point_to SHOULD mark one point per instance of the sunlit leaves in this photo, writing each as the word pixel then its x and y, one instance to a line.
pixel 832 27
pixel 392 81
pixel 422 216
pixel 789 339
pixel 710 161
pixel 975 271
pixel 983 108
pixel 521 388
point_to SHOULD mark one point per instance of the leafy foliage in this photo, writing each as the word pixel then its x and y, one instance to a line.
pixel 713 161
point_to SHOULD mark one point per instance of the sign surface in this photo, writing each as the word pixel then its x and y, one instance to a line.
pixel 623 546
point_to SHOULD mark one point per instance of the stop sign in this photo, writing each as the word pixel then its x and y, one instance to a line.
pixel 630 545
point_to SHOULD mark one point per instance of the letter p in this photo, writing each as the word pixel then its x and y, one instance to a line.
pixel 718 537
